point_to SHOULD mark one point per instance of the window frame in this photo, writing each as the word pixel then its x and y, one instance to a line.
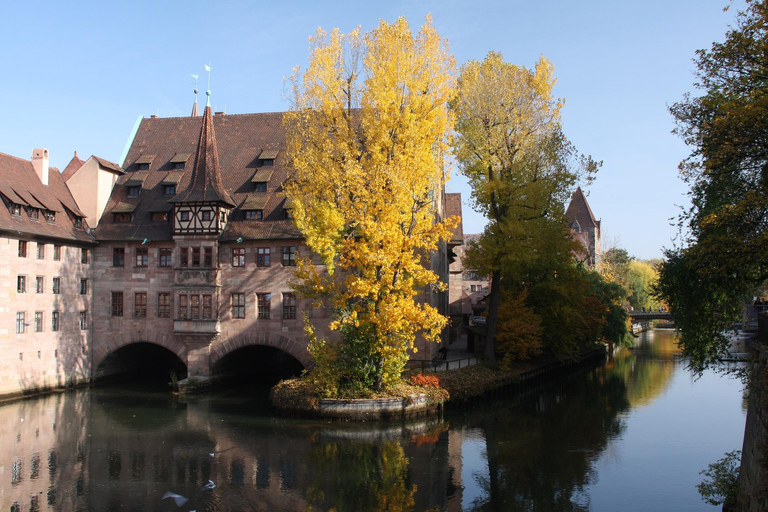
pixel 40 251
pixel 237 304
pixel 289 306
pixel 118 304
pixel 39 284
pixel 164 305
pixel 264 305
pixel 22 248
pixel 21 322
pixel 263 257
pixel 165 257
pixel 83 286
pixel 56 285
pixel 39 323
pixel 141 257
pixel 55 321
pixel 21 284
pixel 140 304
pixel 290 253
pixel 238 256
pixel 118 256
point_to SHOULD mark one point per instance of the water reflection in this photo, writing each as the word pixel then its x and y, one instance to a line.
pixel 119 449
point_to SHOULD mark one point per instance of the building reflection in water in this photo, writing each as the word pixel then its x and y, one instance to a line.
pixel 104 449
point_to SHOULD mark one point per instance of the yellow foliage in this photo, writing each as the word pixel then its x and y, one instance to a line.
pixel 519 330
pixel 366 142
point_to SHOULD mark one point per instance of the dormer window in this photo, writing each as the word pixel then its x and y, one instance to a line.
pixel 267 157
pixel 260 186
pixel 178 165
pixel 254 214
pixel 33 213
pixel 122 218
pixel 15 209
pixel 144 161
pixel 50 216
pixel 178 162
pixel 160 217
pixel 78 222
pixel 134 191
pixel 268 162
pixel 169 190
pixel 143 167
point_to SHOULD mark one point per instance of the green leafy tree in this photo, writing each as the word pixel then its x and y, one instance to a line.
pixel 509 143
pixel 721 257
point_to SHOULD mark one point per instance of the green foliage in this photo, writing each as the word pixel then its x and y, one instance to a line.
pixel 721 487
pixel 519 330
pixel 722 258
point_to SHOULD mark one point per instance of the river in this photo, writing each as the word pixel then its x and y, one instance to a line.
pixel 631 435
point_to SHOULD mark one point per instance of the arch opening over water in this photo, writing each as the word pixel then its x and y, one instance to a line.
pixel 141 362
pixel 257 365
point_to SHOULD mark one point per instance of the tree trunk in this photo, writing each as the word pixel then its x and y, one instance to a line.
pixel 493 310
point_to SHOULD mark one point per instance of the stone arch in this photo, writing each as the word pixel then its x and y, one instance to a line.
pixel 103 349
pixel 224 346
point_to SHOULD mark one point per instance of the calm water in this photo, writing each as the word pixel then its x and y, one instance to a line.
pixel 632 435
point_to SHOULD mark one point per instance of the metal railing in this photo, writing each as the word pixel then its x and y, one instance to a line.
pixel 751 312
pixel 430 365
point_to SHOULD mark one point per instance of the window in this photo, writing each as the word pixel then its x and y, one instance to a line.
pixel 159 216
pixel 170 190
pixel 56 253
pixel 163 305
pixel 263 300
pixel 50 216
pixel 289 256
pixel 83 255
pixel 39 284
pixel 15 210
pixel 21 325
pixel 83 320
pixel 142 256
pixel 238 257
pixel 195 256
pixel 40 251
pixel 56 289
pixel 21 284
pixel 134 191
pixel 184 257
pixel 143 167
pixel 207 306
pixel 117 303
pixel 208 257
pixel 262 257
pixel 33 213
pixel 118 257
pixel 178 165
pixel 79 222
pixel 289 306
pixel 238 305
pixel 254 214
pixel 38 321
pixel 140 304
pixel 164 257
pixel 55 318
pixel 122 218
pixel 206 215
pixel 183 307
pixel 184 216
pixel 83 287
pixel 261 186
pixel 268 162
pixel 194 307
pixel 22 249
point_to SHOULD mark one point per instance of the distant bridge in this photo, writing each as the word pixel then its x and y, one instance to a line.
pixel 653 315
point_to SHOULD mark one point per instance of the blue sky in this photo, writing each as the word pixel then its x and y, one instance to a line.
pixel 75 77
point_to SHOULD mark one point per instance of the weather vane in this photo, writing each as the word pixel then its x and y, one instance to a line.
pixel 208 68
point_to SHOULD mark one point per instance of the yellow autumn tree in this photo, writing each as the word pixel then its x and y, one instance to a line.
pixel 366 141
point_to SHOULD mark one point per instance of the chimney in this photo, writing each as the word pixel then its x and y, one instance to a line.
pixel 40 163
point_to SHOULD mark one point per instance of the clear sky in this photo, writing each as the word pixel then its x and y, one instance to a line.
pixel 74 76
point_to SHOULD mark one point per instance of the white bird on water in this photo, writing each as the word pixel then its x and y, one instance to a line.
pixel 209 486
pixel 178 498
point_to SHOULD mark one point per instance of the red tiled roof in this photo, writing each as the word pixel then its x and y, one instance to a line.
pixel 580 211
pixel 240 139
pixel 19 176
pixel 205 185
pixel 72 167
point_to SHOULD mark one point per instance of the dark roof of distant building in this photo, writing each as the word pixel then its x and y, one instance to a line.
pixel 72 167
pixel 240 140
pixel 19 184
pixel 579 211
pixel 453 207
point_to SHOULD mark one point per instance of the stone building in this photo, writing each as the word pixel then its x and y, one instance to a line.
pixel 584 228
pixel 46 256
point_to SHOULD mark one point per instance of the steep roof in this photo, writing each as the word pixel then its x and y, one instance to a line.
pixel 239 141
pixel 579 211
pixel 205 184
pixel 72 167
pixel 19 184
pixel 453 207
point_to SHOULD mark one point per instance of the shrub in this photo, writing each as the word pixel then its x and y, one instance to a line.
pixel 722 483
pixel 425 381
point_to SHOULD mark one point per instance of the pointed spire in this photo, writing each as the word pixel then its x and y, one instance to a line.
pixel 206 185
pixel 579 210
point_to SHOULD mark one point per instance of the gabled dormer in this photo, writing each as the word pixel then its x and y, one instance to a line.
pixel 204 206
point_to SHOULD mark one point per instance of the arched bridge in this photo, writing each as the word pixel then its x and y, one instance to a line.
pixel 653 315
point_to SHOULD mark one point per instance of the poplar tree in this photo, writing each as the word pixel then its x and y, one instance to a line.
pixel 366 138
pixel 509 144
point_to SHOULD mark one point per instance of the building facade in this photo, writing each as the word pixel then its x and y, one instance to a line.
pixel 585 228
pixel 46 257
